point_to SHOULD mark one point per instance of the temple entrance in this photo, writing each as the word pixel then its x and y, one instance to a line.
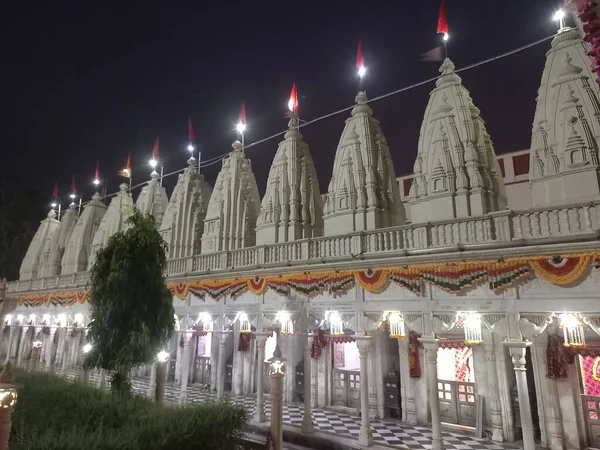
pixel 456 385
pixel 346 375
pixel 202 367
pixel 590 388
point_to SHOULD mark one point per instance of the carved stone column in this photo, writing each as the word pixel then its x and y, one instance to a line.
pixel 24 331
pixel 431 346
pixel 307 423
pixel 185 366
pixel 492 372
pixel 64 352
pixel 277 410
pixel 549 397
pixel 10 342
pixel 517 352
pixel 49 348
pixel 259 412
pixel 222 337
pixel 365 438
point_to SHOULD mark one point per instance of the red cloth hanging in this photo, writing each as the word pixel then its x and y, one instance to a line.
pixel 558 358
pixel 413 354
pixel 244 343
pixel 318 344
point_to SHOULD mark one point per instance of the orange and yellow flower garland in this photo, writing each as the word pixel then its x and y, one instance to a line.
pixel 456 278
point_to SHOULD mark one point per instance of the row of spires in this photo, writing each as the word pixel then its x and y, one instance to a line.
pixel 456 175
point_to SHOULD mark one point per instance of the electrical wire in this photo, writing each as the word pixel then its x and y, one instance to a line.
pixel 219 158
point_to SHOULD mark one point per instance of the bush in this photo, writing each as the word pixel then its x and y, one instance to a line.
pixel 54 414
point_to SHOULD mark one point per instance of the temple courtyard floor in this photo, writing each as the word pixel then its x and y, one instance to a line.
pixel 328 423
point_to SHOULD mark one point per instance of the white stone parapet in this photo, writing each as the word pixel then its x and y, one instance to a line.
pixel 494 230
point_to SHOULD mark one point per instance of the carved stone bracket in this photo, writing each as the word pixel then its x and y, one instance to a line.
pixel 414 322
pixel 443 323
pixel 529 329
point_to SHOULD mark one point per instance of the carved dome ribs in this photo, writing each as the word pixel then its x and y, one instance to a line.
pixel 363 192
pixel 456 172
pixel 566 126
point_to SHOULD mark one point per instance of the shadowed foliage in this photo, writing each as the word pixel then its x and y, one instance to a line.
pixel 54 414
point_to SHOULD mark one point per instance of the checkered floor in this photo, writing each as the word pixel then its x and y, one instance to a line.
pixel 385 432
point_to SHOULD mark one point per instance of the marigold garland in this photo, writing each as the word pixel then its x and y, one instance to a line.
pixel 456 278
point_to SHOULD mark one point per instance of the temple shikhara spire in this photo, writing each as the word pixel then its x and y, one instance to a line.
pixel 456 172
pixel 463 294
pixel 291 208
pixel 363 191
pixel 564 164
pixel 233 207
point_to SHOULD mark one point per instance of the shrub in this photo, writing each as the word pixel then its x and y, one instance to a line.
pixel 54 414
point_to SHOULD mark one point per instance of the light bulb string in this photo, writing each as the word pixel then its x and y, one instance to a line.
pixel 216 159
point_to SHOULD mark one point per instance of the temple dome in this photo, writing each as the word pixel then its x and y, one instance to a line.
pixel 233 207
pixel 153 199
pixel 31 262
pixel 292 208
pixel 456 172
pixel 119 210
pixel 564 143
pixel 363 192
pixel 54 248
pixel 78 248
pixel 183 222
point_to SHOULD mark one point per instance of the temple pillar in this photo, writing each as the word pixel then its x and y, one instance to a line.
pixel 64 352
pixel 307 424
pixel 552 429
pixel 259 412
pixel 431 346
pixel 365 437
pixel 494 393
pixel 49 348
pixel 10 342
pixel 517 349
pixel 222 338
pixel 24 331
pixel 186 336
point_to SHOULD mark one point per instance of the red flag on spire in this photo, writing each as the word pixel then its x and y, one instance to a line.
pixel 73 185
pixel 55 191
pixel 155 150
pixel 126 172
pixel 360 62
pixel 242 117
pixel 293 102
pixel 442 26
pixel 191 130
pixel 97 176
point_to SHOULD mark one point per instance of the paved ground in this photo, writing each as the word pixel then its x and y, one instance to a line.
pixel 385 432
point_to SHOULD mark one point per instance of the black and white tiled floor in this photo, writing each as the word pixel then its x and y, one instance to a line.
pixel 385 432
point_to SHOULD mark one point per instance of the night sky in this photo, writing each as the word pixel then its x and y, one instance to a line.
pixel 83 81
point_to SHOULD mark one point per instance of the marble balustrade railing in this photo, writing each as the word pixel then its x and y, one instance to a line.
pixel 572 221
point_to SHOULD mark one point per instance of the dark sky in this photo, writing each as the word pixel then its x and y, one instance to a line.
pixel 82 81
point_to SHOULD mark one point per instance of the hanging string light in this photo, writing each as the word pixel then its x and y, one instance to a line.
pixel 285 320
pixel 245 326
pixel 472 326
pixel 573 330
pixel 396 325
pixel 336 325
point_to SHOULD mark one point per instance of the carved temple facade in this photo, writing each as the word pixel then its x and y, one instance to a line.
pixel 440 305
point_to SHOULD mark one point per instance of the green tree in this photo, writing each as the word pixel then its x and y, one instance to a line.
pixel 132 313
